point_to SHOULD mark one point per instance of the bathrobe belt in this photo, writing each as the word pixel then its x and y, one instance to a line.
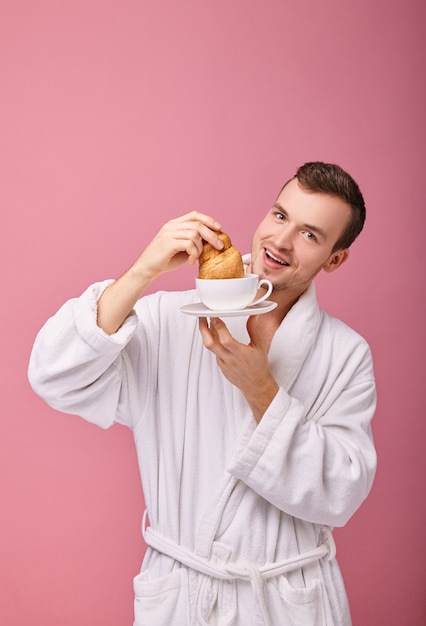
pixel 252 572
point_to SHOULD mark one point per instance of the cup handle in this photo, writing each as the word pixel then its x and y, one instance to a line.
pixel 263 281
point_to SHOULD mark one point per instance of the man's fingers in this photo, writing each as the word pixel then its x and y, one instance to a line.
pixel 220 330
pixel 257 338
pixel 216 336
pixel 196 225
pixel 206 333
pixel 197 216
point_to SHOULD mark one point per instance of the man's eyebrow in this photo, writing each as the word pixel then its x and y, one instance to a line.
pixel 315 229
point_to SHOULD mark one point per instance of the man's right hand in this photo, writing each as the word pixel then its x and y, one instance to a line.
pixel 179 241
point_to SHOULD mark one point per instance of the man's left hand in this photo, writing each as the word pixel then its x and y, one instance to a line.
pixel 244 365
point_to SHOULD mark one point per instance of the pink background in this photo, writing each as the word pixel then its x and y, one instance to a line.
pixel 118 115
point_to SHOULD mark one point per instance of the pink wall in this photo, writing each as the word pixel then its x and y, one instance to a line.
pixel 118 115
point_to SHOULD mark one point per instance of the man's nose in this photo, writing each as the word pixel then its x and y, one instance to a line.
pixel 285 238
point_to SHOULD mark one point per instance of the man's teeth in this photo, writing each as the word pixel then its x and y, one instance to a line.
pixel 274 258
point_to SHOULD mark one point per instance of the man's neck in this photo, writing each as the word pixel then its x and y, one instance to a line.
pixel 285 300
pixel 269 323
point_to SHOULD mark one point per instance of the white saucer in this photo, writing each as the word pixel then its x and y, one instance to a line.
pixel 200 310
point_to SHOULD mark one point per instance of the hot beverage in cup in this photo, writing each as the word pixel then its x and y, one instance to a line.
pixel 232 294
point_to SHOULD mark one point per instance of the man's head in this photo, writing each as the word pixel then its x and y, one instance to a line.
pixel 316 217
pixel 332 180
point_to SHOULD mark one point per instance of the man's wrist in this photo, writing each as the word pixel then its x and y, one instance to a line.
pixel 261 400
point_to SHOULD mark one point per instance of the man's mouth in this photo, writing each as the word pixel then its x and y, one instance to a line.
pixel 275 259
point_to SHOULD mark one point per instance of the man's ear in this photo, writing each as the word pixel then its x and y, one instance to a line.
pixel 336 260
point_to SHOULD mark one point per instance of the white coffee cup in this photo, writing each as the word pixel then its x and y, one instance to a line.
pixel 231 294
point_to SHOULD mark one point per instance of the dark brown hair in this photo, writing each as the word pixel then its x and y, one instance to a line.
pixel 331 179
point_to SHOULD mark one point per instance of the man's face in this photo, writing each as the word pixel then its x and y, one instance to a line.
pixel 296 238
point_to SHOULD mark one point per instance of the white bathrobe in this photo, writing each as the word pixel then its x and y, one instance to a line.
pixel 240 513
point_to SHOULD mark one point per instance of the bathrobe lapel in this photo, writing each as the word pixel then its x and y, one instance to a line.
pixel 295 338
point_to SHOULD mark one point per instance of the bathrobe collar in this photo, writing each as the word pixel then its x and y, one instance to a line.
pixel 295 336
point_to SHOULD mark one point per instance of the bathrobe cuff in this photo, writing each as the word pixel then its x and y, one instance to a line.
pixel 85 318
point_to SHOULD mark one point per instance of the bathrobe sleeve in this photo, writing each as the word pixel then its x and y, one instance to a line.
pixel 317 463
pixel 77 368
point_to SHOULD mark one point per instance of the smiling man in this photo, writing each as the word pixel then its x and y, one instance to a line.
pixel 253 434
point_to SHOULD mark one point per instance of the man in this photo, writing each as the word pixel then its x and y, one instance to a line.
pixel 253 437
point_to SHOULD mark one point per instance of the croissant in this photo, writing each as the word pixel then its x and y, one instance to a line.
pixel 225 263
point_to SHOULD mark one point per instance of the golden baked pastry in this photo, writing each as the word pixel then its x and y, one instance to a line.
pixel 225 263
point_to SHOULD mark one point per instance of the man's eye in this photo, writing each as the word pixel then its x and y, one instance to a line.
pixel 310 236
pixel 280 216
